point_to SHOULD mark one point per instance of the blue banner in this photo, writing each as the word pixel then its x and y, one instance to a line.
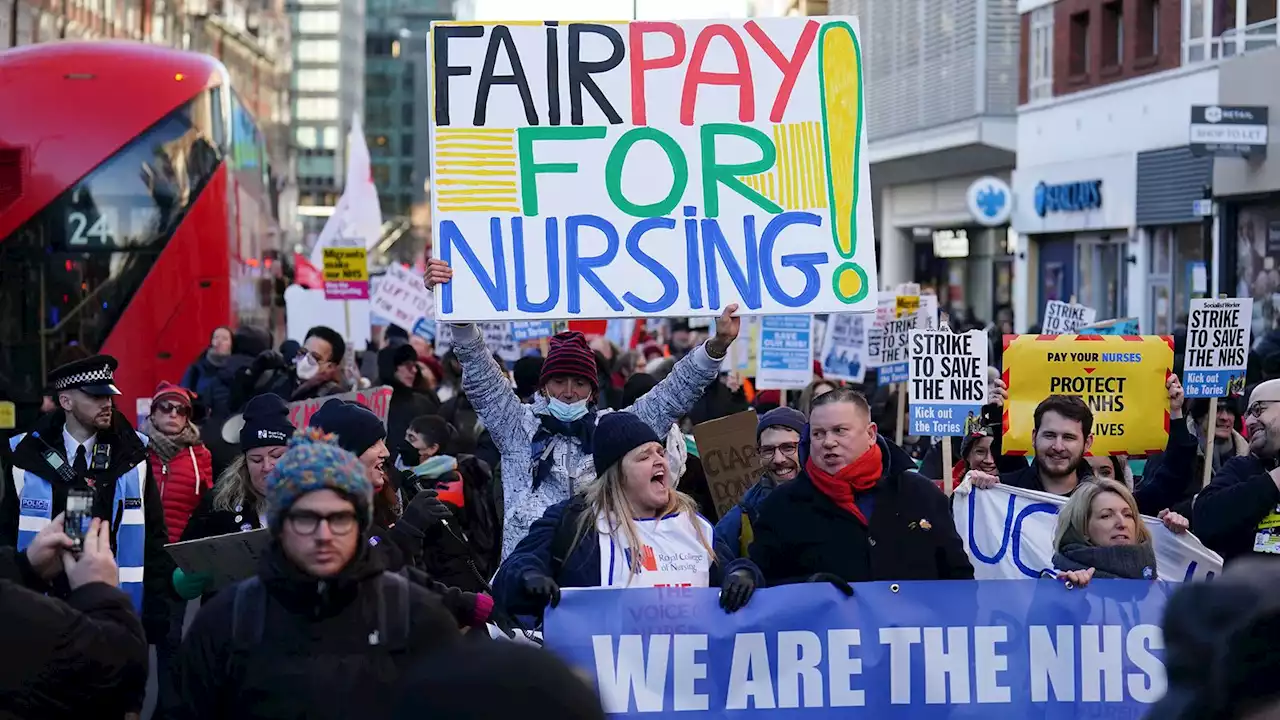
pixel 960 649
pixel 525 330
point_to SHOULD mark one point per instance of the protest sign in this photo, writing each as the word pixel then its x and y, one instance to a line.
pixel 401 298
pixel 786 352
pixel 1217 347
pixel 1008 533
pixel 1120 378
pixel 890 342
pixel 346 273
pixel 894 651
pixel 928 312
pixel 948 384
pixel 1118 326
pixel 727 448
pixel 744 352
pixel 1065 318
pixel 844 349
pixel 498 338
pixel 731 168
pixel 226 559
pixel 523 331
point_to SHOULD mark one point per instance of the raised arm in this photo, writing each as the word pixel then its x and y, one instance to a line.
pixel 506 418
pixel 672 398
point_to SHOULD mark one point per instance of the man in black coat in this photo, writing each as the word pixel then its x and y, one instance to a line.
pixel 858 512
pixel 322 631
pixel 1238 514
pixel 85 657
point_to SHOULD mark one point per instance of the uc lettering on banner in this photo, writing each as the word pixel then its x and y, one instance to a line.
pixel 1120 377
pixel 991 649
pixel 628 169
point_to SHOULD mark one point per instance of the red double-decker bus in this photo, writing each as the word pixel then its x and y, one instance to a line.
pixel 134 211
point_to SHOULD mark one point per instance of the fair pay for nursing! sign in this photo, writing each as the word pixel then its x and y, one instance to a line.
pixel 625 169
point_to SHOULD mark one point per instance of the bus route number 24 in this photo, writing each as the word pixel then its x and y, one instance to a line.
pixel 89 228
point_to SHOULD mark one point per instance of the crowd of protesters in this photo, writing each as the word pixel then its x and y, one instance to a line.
pixel 399 546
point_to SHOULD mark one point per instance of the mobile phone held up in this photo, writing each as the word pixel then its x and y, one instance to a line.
pixel 78 517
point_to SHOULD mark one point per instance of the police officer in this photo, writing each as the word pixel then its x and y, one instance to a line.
pixel 87 444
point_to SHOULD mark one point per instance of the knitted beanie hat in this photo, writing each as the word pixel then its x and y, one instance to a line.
pixel 357 428
pixel 618 433
pixel 266 423
pixel 315 462
pixel 784 417
pixel 569 354
pixel 173 392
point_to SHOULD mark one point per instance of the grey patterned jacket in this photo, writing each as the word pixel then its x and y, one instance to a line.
pixel 513 424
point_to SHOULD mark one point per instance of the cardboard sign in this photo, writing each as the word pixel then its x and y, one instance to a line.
pixel 346 273
pixel 376 399
pixel 401 298
pixel 228 558
pixel 1062 318
pixel 948 384
pixel 707 163
pixel 1217 347
pixel 1120 378
pixel 786 352
pixel 727 448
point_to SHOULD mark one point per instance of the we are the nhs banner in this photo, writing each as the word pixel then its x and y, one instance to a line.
pixel 943 649
pixel 1008 533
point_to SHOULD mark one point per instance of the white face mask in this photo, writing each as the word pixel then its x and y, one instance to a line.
pixel 307 367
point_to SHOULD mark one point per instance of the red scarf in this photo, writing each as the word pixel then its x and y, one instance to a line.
pixel 859 476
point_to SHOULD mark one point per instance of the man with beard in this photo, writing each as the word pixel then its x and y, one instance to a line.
pixel 1238 514
pixel 778 448
pixel 87 444
pixel 1062 434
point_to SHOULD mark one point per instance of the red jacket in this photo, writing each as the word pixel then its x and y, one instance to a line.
pixel 181 483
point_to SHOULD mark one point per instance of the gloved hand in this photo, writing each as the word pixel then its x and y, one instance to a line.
pixel 190 586
pixel 834 579
pixel 503 622
pixel 425 511
pixel 542 588
pixel 736 590
pixel 269 360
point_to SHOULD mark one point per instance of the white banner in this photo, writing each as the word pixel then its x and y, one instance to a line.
pixel 1008 534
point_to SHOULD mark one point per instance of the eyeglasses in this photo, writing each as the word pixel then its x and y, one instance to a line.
pixel 1259 407
pixel 166 408
pixel 305 522
pixel 787 449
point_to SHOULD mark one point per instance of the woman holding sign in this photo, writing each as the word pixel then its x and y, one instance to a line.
pixel 629 528
pixel 546 445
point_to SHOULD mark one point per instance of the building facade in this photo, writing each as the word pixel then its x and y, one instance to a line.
pixel 941 79
pixel 327 80
pixel 1106 183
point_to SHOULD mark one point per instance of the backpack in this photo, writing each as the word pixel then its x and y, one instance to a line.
pixel 391 598
pixel 566 531
pixel 484 525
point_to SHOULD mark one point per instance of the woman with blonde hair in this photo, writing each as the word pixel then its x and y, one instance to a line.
pixel 628 528
pixel 1101 534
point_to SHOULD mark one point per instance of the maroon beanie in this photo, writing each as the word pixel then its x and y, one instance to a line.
pixel 569 354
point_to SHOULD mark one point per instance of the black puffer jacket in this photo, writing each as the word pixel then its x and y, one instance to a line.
pixel 318 656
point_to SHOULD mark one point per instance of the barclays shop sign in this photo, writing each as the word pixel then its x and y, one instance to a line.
pixel 1068 197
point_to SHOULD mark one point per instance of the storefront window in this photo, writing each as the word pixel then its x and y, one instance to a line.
pixel 1257 257
pixel 1101 275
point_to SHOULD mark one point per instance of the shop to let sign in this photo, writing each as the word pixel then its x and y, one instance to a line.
pixel 346 274
pixel 1120 378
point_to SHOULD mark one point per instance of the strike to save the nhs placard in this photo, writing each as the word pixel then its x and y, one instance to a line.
pixel 939 649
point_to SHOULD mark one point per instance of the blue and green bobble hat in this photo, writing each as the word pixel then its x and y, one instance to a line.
pixel 314 461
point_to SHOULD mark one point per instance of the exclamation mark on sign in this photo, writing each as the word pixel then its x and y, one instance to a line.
pixel 840 81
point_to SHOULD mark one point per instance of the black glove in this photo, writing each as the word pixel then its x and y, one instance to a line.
pixel 425 511
pixel 834 579
pixel 503 622
pixel 736 590
pixel 542 588
pixel 268 360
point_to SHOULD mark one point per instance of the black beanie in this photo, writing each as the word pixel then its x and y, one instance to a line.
pixel 266 423
pixel 527 371
pixel 357 428
pixel 390 358
pixel 495 681
pixel 636 386
pixel 617 434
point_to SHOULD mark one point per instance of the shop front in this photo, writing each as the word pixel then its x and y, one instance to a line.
pixel 1078 220
pixel 952 236
pixel 1170 181
pixel 1248 193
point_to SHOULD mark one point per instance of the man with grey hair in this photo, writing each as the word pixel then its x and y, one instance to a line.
pixel 1238 514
